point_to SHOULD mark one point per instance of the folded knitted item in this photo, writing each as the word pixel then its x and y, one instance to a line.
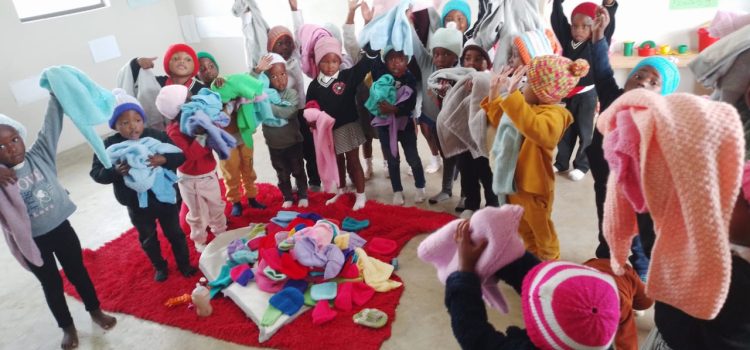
pixel 220 141
pixel 244 86
pixel 323 291
pixel 283 217
pixel 292 268
pixel 241 274
pixel 353 225
pixel 300 285
pixel 322 313
pixel 288 301
pixel 343 299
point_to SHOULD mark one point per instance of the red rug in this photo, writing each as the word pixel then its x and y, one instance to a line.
pixel 124 281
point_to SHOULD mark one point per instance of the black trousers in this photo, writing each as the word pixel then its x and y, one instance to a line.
pixel 144 220
pixel 288 162
pixel 62 242
pixel 308 151
pixel 475 172
pixel 583 108
pixel 450 164
pixel 600 173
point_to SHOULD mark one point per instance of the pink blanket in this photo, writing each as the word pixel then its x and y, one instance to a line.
pixel 325 154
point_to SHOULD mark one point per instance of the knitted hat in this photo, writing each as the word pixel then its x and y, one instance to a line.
pixel 204 54
pixel 325 46
pixel 586 8
pixel 569 306
pixel 670 75
pixel 457 5
pixel 180 48
pixel 448 38
pixel 288 301
pixel 170 99
pixel 277 33
pixel 124 103
pixel 535 43
pixel 472 45
pixel 276 58
pixel 6 120
pixel 552 77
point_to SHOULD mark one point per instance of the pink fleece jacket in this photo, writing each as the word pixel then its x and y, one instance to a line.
pixel 499 226
pixel 325 154
pixel 690 161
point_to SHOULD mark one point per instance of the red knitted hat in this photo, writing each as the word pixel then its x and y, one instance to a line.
pixel 586 8
pixel 180 48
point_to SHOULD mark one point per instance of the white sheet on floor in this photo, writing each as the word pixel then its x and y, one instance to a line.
pixel 250 299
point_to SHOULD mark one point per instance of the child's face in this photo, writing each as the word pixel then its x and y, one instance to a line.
pixel 514 61
pixel 277 76
pixel 580 27
pixel 443 58
pixel 130 125
pixel 208 71
pixel 12 148
pixel 330 64
pixel 646 77
pixel 456 16
pixel 474 59
pixel 284 47
pixel 181 65
pixel 396 63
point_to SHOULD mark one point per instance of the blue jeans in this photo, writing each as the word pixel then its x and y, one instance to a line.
pixel 408 140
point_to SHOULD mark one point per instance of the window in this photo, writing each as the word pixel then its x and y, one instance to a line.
pixel 32 10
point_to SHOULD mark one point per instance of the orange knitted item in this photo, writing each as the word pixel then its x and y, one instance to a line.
pixel 691 153
pixel 552 77
pixel 535 43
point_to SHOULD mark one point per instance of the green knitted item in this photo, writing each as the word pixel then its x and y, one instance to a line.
pixel 270 317
pixel 242 85
pixel 383 89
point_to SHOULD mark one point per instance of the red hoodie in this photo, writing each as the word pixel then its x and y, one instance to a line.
pixel 199 160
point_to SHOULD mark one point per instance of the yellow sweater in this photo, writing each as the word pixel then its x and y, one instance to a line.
pixel 542 127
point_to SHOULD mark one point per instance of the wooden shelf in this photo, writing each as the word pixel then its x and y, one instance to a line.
pixel 618 61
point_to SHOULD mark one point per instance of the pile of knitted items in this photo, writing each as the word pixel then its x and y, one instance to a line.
pixel 680 158
pixel 307 261
pixel 142 177
pixel 86 103
pixel 205 111
pixel 392 29
pixel 250 91
pixel 384 89
pixel 462 123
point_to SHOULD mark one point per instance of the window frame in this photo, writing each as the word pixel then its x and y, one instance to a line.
pixel 101 4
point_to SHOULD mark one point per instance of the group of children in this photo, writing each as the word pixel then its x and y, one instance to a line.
pixel 497 131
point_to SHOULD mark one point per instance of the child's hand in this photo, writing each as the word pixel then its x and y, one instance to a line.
pixel 156 160
pixel 264 64
pixel 600 24
pixel 146 62
pixel 515 80
pixel 468 251
pixel 354 5
pixel 498 82
pixel 367 12
pixel 7 177
pixel 219 82
pixel 122 168
pixel 293 5
pixel 387 108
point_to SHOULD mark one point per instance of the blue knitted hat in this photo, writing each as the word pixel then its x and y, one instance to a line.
pixel 457 5
pixel 124 103
pixel 288 301
pixel 670 75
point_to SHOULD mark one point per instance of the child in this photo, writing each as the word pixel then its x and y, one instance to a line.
pixel 653 73
pixel 458 12
pixel 128 120
pixel 180 66
pixel 284 142
pixel 393 120
pixel 334 91
pixel 542 122
pixel 208 68
pixel 632 297
pixel 445 49
pixel 199 183
pixel 35 243
pixel 581 102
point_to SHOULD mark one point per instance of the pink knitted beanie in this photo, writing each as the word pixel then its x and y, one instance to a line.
pixel 170 99
pixel 569 306
pixel 499 226
pixel 325 46
pixel 688 157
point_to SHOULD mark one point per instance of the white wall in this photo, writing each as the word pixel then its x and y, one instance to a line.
pixel 28 48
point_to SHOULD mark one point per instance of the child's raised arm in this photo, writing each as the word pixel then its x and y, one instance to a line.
pixel 560 24
pixel 47 139
pixel 611 9
pixel 604 77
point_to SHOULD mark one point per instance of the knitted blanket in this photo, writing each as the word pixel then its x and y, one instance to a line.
pixel 141 177
pixel 392 29
pixel 254 28
pixel 689 161
pixel 217 139
pixel 325 154
pixel 207 101
pixel 16 226
pixel 499 226
pixel 713 66
pixel 83 101
pixel 462 123
pixel 502 19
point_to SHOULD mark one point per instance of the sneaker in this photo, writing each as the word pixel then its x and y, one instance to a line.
pixel 435 164
pixel 255 204
pixel 420 196
pixel 199 247
pixel 576 175
pixel 466 214
pixel 398 198
pixel 287 204
pixel 161 275
pixel 440 197
pixel 188 271
pixel 237 209
pixel 461 205
pixel 385 167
